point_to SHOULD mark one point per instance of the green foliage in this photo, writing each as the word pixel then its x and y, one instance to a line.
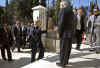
pixel 22 10
pixel 35 3
pixel 54 10
pixel 1 14
pixel 1 11
pixel 57 9
pixel 43 2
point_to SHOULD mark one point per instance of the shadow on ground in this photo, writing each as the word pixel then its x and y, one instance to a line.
pixel 14 64
pixel 56 57
pixel 92 63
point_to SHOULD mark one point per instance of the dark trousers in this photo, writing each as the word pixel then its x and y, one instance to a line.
pixel 19 43
pixel 18 46
pixel 23 41
pixel 78 38
pixel 9 55
pixel 65 49
pixel 37 46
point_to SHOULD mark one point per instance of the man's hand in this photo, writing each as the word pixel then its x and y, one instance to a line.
pixel 94 25
pixel 89 31
pixel 58 36
pixel 50 30
pixel 14 38
pixel 55 28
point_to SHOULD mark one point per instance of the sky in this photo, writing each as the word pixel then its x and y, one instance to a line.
pixel 2 2
pixel 76 3
pixel 83 2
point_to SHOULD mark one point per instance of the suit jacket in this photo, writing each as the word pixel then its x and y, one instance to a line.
pixel 9 34
pixel 82 20
pixel 37 32
pixel 16 32
pixel 3 38
pixel 66 22
pixel 24 31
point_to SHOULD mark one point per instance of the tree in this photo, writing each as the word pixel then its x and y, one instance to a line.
pixel 35 3
pixel 43 2
pixel 22 10
pixel 1 10
pixel 57 8
pixel 54 10
pixel 54 3
pixel 1 14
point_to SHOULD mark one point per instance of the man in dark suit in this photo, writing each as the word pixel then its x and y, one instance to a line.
pixel 36 41
pixel 24 34
pixel 65 32
pixel 17 34
pixel 4 41
pixel 79 27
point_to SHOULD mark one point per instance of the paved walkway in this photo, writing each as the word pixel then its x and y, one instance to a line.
pixel 78 59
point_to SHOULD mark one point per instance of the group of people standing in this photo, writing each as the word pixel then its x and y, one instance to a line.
pixel 10 35
pixel 18 35
pixel 70 24
pixel 73 24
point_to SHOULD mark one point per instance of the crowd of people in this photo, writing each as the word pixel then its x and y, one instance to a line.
pixel 18 35
pixel 88 25
pixel 72 23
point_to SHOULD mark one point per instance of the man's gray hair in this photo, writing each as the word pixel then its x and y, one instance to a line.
pixel 65 3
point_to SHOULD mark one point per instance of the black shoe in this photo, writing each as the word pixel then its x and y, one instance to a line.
pixel 19 51
pixel 39 58
pixel 92 49
pixel 4 59
pixel 63 65
pixel 32 61
pixel 10 60
pixel 59 64
pixel 97 52
pixel 77 48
